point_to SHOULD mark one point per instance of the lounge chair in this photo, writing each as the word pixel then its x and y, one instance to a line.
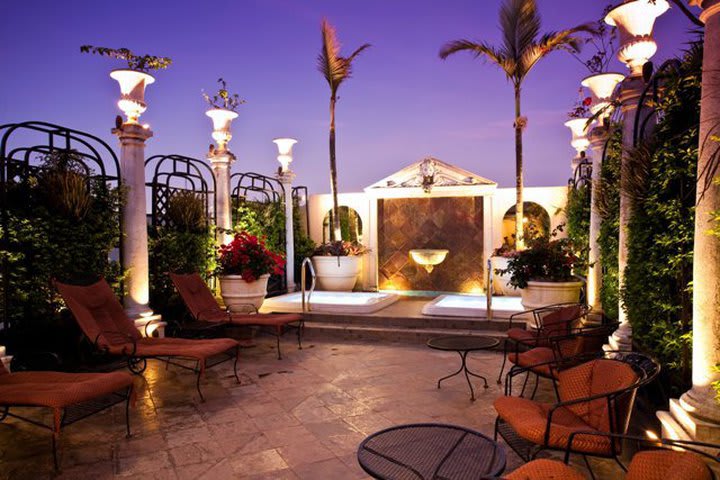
pixel 203 307
pixel 105 323
pixel 71 396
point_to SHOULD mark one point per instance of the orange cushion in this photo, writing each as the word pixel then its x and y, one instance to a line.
pixel 177 347
pixel 668 465
pixel 533 357
pixel 529 419
pixel 544 469
pixel 57 389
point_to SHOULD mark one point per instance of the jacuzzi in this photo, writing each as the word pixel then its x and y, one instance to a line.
pixel 322 301
pixel 472 306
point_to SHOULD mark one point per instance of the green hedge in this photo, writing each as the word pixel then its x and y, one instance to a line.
pixel 662 179
pixel 577 212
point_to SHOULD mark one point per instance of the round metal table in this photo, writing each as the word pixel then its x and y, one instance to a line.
pixel 427 451
pixel 463 344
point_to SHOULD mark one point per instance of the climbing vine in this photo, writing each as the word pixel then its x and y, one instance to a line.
pixel 577 212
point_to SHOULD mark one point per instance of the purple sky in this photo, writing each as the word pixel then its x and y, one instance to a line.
pixel 402 104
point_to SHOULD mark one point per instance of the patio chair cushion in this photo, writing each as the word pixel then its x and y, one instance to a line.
pixel 596 378
pixel 529 419
pixel 535 356
pixel 57 389
pixel 520 335
pixel 544 469
pixel 176 347
pixel 667 465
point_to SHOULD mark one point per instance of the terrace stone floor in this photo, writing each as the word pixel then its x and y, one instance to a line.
pixel 297 418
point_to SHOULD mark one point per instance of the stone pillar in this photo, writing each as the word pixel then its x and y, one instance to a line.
pixel 598 137
pixel 220 162
pixel 286 178
pixel 632 88
pixel 697 411
pixel 135 242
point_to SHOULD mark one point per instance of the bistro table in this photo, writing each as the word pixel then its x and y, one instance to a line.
pixel 463 344
pixel 429 451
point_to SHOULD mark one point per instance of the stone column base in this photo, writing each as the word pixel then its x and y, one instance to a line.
pixel 680 424
pixel 150 323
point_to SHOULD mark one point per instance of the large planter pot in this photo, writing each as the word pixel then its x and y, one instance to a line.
pixel 132 91
pixel 239 294
pixel 501 283
pixel 541 294
pixel 337 273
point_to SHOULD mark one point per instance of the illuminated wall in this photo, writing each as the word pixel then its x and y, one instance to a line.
pixel 452 223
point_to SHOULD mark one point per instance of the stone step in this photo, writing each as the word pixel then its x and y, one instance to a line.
pixel 427 322
pixel 325 330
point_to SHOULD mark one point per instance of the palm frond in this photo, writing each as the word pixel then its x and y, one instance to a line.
pixel 520 26
pixel 550 42
pixel 329 62
pixel 480 50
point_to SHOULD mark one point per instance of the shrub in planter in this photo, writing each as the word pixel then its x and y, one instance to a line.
pixel 244 266
pixel 337 264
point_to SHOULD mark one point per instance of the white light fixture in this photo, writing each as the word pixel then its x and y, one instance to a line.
pixel 284 146
pixel 428 257
pixel 579 128
pixel 132 92
pixel 602 86
pixel 221 119
pixel 635 20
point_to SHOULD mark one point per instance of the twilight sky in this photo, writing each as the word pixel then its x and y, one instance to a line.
pixel 402 104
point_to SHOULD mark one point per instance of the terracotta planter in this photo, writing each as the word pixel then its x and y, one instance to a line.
pixel 501 283
pixel 541 294
pixel 238 294
pixel 338 274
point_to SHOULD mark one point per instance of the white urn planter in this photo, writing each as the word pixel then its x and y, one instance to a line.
pixel 501 283
pixel 541 294
pixel 132 92
pixel 239 294
pixel 222 120
pixel 335 273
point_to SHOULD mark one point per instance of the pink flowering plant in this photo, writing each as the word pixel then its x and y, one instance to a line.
pixel 547 259
pixel 248 257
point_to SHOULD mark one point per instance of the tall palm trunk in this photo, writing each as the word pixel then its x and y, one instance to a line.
pixel 519 234
pixel 335 223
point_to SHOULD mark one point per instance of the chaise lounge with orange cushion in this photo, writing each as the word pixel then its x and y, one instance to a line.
pixel 70 396
pixel 105 323
pixel 203 307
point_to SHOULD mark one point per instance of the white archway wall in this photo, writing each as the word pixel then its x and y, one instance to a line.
pixel 552 199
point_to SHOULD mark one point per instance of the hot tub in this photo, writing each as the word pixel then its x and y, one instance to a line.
pixel 472 306
pixel 331 302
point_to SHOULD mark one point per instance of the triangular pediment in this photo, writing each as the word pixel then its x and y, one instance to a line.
pixel 428 174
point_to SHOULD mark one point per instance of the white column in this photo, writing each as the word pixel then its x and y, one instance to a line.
pixel 598 138
pixel 286 179
pixel 135 241
pixel 698 412
pixel 220 163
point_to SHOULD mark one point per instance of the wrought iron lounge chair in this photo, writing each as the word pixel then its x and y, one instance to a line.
pixel 203 307
pixel 70 396
pixel 552 320
pixel 595 396
pixel 105 323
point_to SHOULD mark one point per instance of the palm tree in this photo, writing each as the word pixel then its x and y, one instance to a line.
pixel 522 47
pixel 336 70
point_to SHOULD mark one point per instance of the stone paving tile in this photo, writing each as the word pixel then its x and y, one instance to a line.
pixel 298 418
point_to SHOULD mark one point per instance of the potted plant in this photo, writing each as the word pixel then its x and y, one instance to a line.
pixel 499 260
pixel 544 271
pixel 244 267
pixel 133 79
pixel 222 112
pixel 337 264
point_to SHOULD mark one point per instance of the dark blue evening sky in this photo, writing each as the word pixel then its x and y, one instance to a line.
pixel 402 104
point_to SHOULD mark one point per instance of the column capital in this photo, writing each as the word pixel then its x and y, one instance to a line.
pixel 286 177
pixel 710 8
pixel 598 135
pixel 630 90
pixel 132 131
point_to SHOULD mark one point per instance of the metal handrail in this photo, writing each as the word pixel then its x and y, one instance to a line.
pixel 307 262
pixel 489 291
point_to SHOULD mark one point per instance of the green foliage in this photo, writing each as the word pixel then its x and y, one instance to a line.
pixel 185 245
pixel 608 205
pixel 546 259
pixel 661 232
pixel 141 63
pixel 223 99
pixel 62 225
pixel 577 211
